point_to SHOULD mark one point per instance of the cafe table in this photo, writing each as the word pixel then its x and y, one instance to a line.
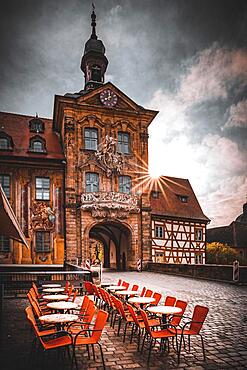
pixel 59 319
pixel 116 287
pixel 105 285
pixel 55 297
pixel 62 306
pixel 164 311
pixel 53 290
pixel 51 285
pixel 126 293
pixel 141 300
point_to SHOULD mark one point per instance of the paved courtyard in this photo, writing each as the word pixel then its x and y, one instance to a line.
pixel 225 330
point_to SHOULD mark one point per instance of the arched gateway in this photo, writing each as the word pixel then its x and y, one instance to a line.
pixel 110 243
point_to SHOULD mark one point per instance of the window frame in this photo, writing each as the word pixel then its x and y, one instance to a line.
pixel 34 122
pixel 2 175
pixel 3 249
pixel 197 230
pixel 121 143
pixel 91 183
pixel 159 231
pixel 9 140
pixel 43 189
pixel 198 258
pixel 45 246
pixel 122 184
pixel 93 142
pixel 39 139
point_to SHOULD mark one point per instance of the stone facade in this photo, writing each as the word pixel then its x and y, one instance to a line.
pixel 127 221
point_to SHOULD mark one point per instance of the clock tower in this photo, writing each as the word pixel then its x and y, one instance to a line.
pixel 94 61
pixel 105 140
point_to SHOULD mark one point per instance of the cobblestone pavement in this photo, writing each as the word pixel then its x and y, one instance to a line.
pixel 225 330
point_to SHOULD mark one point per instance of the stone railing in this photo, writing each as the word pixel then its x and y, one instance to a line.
pixel 109 204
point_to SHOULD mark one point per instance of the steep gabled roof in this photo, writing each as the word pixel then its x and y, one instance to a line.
pixel 176 198
pixel 17 127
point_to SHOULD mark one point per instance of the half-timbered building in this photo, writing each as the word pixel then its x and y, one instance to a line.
pixel 178 223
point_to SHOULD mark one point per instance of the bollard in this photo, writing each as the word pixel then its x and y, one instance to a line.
pixel 235 271
pixel 87 264
pixel 139 265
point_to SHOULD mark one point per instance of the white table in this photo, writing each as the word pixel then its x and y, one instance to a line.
pixel 127 293
pixel 116 287
pixel 53 290
pixel 141 300
pixel 62 305
pixel 51 285
pixel 164 311
pixel 58 319
pixel 55 297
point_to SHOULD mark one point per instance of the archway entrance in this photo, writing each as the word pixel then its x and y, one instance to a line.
pixel 114 238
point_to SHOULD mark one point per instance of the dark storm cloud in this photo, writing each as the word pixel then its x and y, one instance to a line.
pixel 186 58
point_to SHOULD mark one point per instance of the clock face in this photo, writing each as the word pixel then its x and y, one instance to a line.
pixel 108 98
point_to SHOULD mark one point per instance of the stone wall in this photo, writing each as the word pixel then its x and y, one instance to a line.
pixel 210 272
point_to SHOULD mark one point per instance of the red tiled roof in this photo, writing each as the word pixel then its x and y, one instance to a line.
pixel 169 203
pixel 17 126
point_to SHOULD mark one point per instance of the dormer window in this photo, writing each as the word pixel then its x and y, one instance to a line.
pixel 37 145
pixel 183 198
pixel 36 125
pixel 6 142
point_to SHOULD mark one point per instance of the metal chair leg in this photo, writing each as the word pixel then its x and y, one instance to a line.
pixel 102 355
pixel 150 348
pixel 203 349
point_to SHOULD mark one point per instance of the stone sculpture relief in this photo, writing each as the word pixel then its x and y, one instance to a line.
pixel 42 216
pixel 110 205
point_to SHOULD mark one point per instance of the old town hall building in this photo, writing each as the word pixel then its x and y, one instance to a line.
pixel 80 187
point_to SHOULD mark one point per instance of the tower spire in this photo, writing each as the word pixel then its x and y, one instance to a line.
pixel 94 61
pixel 93 23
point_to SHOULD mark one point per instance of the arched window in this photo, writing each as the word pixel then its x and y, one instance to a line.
pixel 37 145
pixel 6 142
pixel 36 125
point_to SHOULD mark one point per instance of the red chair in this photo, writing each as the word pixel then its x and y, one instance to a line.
pixel 125 284
pixel 123 315
pixel 157 297
pixel 135 287
pixel 88 287
pixel 170 301
pixel 51 339
pixel 139 324
pixel 176 319
pixel 72 297
pixel 148 293
pixel 154 335
pixel 94 335
pixel 193 327
pixel 84 305
pixel 143 292
pixel 119 282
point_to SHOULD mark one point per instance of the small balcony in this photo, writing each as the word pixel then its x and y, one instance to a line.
pixel 110 204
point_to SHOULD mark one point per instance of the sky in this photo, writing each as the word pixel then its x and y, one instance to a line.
pixel 185 58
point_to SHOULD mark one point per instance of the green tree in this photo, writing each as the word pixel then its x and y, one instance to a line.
pixel 221 254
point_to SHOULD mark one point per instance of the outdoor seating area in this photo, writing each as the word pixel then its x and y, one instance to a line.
pixel 64 322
